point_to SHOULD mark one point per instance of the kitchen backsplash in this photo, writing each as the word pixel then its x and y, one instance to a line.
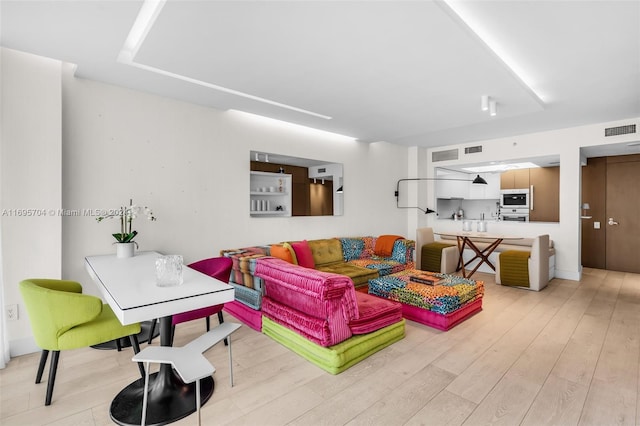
pixel 473 209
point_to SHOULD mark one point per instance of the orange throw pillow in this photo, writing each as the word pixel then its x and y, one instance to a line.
pixel 281 252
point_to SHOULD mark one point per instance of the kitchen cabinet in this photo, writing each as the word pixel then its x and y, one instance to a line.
pixel 270 194
pixel 490 191
pixel 544 194
pixel 515 179
pixel 453 188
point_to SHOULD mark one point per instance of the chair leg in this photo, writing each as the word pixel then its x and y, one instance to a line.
pixel 198 401
pixel 221 320
pixel 43 361
pixel 230 360
pixel 55 355
pixel 153 330
pixel 118 345
pixel 136 348
pixel 145 395
pixel 173 333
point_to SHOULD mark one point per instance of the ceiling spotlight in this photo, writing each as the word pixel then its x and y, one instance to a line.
pixel 484 102
pixel 493 108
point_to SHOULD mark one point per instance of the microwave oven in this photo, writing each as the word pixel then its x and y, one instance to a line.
pixel 514 198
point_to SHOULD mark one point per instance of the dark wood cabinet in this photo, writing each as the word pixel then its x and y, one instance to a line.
pixel 544 183
pixel 514 179
pixel 544 186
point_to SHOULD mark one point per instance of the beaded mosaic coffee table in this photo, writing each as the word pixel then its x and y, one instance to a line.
pixel 452 300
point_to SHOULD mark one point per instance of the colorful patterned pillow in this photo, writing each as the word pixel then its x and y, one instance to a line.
pixel 369 247
pixel 352 248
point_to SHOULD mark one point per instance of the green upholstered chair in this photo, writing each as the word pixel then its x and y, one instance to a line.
pixel 63 318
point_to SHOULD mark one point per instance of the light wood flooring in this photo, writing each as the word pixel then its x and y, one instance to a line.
pixel 568 355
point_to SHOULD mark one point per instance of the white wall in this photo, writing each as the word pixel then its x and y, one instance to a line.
pixel 565 143
pixel 190 164
pixel 31 179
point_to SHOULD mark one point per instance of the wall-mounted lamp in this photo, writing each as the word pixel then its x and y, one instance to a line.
pixel 477 180
pixel 340 190
pixel 585 208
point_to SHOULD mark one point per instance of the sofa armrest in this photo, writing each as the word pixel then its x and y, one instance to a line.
pixel 423 236
pixel 307 290
pixel 539 263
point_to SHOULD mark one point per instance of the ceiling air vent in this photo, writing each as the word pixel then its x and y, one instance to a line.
pixel 451 154
pixel 473 149
pixel 620 130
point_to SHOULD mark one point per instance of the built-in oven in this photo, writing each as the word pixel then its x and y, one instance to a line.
pixel 514 215
pixel 514 199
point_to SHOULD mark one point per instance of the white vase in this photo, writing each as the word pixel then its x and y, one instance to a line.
pixel 124 250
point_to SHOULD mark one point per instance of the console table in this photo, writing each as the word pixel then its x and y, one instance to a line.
pixel 129 286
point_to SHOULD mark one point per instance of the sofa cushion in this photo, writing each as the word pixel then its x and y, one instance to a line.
pixel 303 254
pixel 383 266
pixel 359 276
pixel 375 313
pixel 337 358
pixel 357 248
pixel 326 252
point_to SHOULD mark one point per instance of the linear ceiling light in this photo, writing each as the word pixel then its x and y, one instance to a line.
pixel 146 18
pixel 144 21
pixel 483 32
pixel 293 126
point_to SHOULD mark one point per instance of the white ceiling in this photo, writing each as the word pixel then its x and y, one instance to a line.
pixel 405 72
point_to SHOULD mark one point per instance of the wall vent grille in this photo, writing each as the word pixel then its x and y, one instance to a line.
pixel 450 154
pixel 473 149
pixel 620 130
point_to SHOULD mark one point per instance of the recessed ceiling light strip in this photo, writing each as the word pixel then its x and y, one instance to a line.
pixel 289 125
pixel 456 9
pixel 146 18
pixel 225 89
pixel 144 21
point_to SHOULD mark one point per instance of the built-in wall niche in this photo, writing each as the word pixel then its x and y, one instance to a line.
pixel 316 186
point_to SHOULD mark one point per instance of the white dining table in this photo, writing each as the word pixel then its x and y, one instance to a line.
pixel 129 286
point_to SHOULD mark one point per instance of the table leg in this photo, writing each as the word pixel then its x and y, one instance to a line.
pixel 482 254
pixel 461 242
pixel 169 398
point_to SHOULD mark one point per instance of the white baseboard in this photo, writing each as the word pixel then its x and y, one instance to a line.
pixel 23 346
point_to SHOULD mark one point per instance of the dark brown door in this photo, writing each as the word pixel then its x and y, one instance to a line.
pixel 622 220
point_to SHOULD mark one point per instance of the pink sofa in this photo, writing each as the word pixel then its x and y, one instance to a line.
pixel 321 317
